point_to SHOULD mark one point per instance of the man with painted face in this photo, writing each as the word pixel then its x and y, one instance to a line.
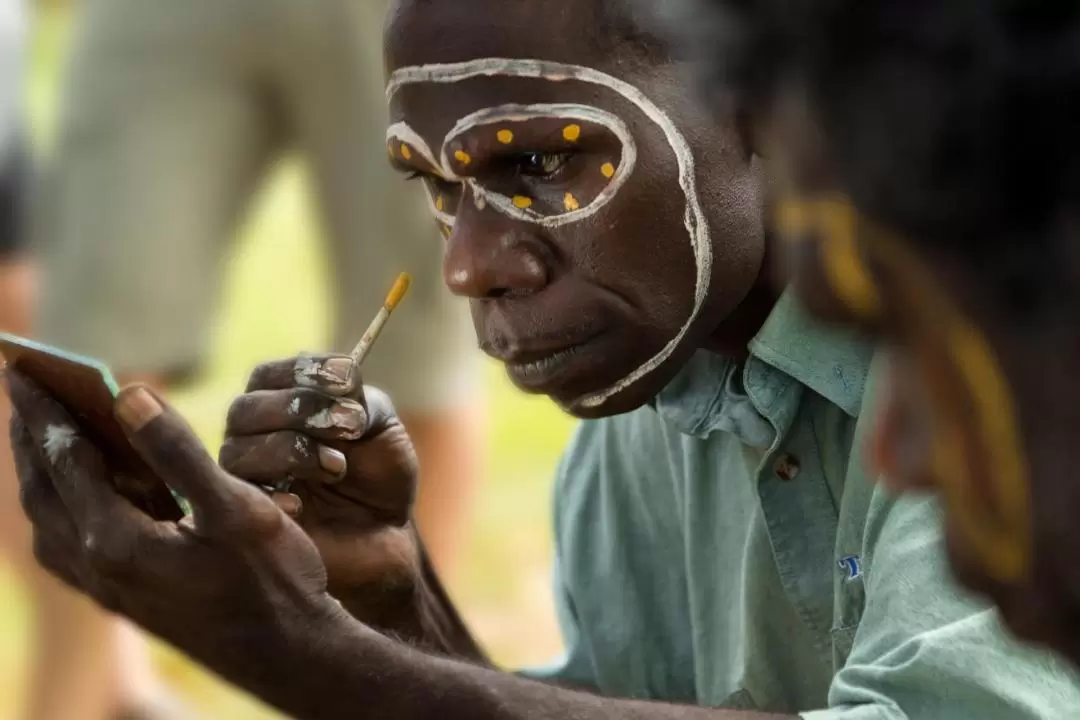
pixel 721 554
pixel 949 127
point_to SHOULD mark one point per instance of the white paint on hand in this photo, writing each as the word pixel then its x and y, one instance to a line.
pixel 58 440
pixel 693 218
pixel 294 407
pixel 306 371
pixel 322 420
pixel 302 447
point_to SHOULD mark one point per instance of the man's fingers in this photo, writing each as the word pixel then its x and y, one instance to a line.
pixel 301 409
pixel 269 458
pixel 40 501
pixel 176 455
pixel 76 468
pixel 335 375
pixel 380 410
pixel 67 491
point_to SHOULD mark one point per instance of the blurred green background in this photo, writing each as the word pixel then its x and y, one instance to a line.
pixel 503 584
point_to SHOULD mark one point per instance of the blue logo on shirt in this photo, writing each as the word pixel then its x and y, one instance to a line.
pixel 852 566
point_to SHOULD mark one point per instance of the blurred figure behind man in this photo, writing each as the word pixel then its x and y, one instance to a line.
pixel 171 115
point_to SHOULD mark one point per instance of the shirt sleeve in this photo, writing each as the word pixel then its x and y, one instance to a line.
pixel 926 650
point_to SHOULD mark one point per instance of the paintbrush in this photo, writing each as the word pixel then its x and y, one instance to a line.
pixel 393 299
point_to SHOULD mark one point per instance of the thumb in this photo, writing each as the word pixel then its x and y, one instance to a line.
pixel 170 447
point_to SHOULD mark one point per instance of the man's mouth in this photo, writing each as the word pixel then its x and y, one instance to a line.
pixel 535 373
pixel 538 370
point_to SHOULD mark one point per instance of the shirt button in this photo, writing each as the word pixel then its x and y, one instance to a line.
pixel 787 467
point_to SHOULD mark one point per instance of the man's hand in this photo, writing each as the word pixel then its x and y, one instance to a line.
pixel 354 475
pixel 235 579
pixel 240 587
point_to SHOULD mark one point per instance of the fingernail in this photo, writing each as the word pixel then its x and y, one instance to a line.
pixel 347 415
pixel 338 370
pixel 332 461
pixel 289 504
pixel 136 408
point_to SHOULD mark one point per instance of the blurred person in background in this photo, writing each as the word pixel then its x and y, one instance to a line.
pixel 927 152
pixel 720 552
pixel 69 678
pixel 171 115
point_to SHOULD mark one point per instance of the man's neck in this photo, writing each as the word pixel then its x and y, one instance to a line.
pixel 732 336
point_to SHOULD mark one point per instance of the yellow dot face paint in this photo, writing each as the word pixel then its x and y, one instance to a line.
pixel 406 152
pixel 570 202
pixel 607 170
pixel 571 133
pixel 463 157
pixel 522 202
pixel 446 231
pixel 505 136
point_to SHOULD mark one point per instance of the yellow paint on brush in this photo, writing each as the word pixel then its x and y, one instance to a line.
pixel 571 133
pixel 397 293
pixel 522 202
pixel 570 202
pixel 608 170
pixel 406 152
pixel 505 136
pixel 463 157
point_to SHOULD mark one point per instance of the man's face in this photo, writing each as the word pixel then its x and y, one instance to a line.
pixel 601 227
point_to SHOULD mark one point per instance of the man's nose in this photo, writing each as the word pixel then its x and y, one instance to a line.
pixel 491 260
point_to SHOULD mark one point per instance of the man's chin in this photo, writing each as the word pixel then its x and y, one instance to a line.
pixel 602 403
pixel 589 407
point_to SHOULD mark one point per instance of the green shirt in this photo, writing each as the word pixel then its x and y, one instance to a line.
pixel 726 548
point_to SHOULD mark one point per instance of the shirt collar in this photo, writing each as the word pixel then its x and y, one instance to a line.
pixel 709 394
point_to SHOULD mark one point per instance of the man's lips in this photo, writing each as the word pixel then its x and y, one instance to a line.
pixel 535 367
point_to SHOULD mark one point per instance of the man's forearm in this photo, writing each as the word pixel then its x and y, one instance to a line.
pixel 351 671
pixel 422 615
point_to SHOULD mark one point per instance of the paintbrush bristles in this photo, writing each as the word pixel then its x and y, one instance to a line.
pixel 393 299
pixel 401 286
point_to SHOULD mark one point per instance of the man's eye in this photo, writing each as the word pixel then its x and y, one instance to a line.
pixel 541 164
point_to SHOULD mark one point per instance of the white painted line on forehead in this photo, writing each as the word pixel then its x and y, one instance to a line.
pixel 562 111
pixel 694 216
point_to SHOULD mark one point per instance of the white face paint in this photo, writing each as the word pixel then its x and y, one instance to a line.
pixel 58 440
pixel 694 217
